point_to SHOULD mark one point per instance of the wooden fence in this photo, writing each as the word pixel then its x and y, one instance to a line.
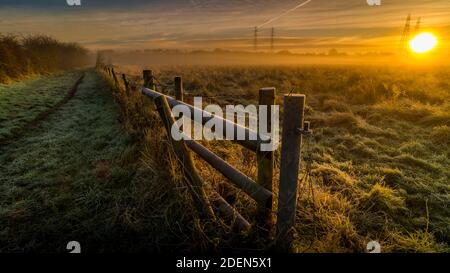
pixel 262 190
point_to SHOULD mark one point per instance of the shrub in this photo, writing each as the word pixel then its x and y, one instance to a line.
pixel 39 54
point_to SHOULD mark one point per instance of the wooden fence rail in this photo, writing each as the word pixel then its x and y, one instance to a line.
pixel 262 191
pixel 206 116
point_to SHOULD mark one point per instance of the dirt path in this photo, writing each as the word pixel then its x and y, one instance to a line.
pixel 24 104
pixel 29 125
pixel 56 181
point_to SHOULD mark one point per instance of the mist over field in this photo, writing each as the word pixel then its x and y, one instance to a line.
pixel 158 58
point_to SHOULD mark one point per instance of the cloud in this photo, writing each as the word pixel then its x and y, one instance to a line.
pixel 284 13
pixel 199 22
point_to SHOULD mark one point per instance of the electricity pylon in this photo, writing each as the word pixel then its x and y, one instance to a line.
pixel 406 33
pixel 255 39
pixel 272 40
pixel 417 28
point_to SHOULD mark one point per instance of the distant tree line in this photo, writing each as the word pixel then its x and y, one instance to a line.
pixel 37 54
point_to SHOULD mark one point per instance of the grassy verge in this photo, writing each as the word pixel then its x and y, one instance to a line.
pixel 74 178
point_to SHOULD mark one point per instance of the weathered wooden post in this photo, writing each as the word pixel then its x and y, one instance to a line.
pixel 148 79
pixel 179 91
pixel 294 106
pixel 195 182
pixel 265 161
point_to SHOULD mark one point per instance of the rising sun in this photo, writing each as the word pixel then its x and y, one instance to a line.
pixel 423 42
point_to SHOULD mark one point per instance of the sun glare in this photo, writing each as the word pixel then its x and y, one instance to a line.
pixel 423 42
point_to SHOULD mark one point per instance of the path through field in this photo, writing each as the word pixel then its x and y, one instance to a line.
pixel 50 182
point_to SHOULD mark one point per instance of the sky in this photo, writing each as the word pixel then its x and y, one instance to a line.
pixel 317 26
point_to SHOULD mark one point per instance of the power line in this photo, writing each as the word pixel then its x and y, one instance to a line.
pixel 284 13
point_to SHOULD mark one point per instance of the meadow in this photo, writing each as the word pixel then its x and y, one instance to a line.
pixel 376 168
pixel 100 168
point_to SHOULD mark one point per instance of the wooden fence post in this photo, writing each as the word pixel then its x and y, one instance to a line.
pixel 265 161
pixel 293 119
pixel 179 91
pixel 195 182
pixel 148 79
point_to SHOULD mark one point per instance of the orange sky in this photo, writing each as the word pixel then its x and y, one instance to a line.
pixel 350 25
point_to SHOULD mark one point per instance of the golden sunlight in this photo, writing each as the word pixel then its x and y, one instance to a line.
pixel 423 42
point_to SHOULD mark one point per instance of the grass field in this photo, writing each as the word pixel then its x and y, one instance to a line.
pixel 99 170
pixel 380 151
